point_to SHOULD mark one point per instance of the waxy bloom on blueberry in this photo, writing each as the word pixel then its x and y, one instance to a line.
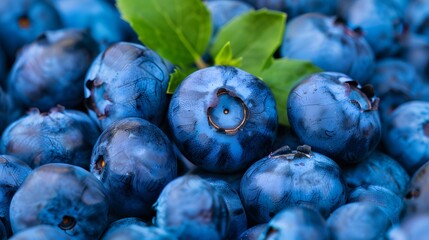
pixel 335 116
pixel 223 118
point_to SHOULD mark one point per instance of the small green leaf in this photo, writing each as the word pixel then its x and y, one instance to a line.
pixel 281 76
pixel 254 37
pixel 177 77
pixel 224 57
pixel 178 30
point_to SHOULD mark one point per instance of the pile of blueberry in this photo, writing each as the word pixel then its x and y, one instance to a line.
pixel 93 147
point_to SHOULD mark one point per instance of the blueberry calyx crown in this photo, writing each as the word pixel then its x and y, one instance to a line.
pixel 228 114
pixel 97 94
pixel 100 164
pixel 303 151
pixel 67 223
pixel 363 97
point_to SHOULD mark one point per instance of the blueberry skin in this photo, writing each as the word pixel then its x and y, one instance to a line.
pixel 23 21
pixel 101 19
pixel 3 231
pixel 296 223
pixel 3 66
pixel 415 50
pixel 328 43
pixel 285 136
pixel 223 11
pixel 190 207
pixel 41 232
pixel 416 16
pixel 326 109
pixel 288 178
pixel 127 80
pixel 134 229
pixel 381 23
pixel 416 199
pixel 407 135
pixel 253 233
pixel 387 200
pixel 13 172
pixel 358 220
pixel 62 195
pixel 412 228
pixel 294 8
pixel 51 70
pixel 380 170
pixel 65 136
pixel 236 214
pixel 134 160
pixel 217 113
pixel 395 82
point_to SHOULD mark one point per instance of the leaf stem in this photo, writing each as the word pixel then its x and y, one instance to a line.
pixel 199 62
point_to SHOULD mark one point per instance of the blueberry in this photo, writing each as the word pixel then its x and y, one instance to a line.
pixel 100 18
pixel 51 70
pixel 288 178
pixel 407 135
pixel 417 17
pixel 380 22
pixel 62 195
pixel 294 8
pixel 416 199
pixel 296 223
pixel 335 116
pixel 13 172
pixel 380 170
pixel 39 232
pixel 134 228
pixel 65 136
pixel 223 11
pixel 412 228
pixel 3 66
pixel 253 233
pixel 328 43
pixel 190 207
pixel 358 220
pixel 387 200
pixel 23 20
pixel 236 214
pixel 216 114
pixel 127 80
pixel 395 82
pixel 415 50
pixel 134 160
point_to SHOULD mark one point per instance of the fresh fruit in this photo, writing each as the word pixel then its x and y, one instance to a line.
pixel 330 44
pixel 287 178
pixel 134 160
pixel 45 232
pixel 380 170
pixel 62 195
pixel 127 80
pixel 23 21
pixel 358 220
pixel 296 223
pixel 216 114
pixel 407 131
pixel 335 116
pixel 51 70
pixel 416 202
pixel 190 207
pixel 60 135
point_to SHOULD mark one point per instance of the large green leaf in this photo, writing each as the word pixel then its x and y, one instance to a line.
pixel 178 30
pixel 254 37
pixel 281 76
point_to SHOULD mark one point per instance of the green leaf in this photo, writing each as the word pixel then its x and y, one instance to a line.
pixel 281 76
pixel 224 57
pixel 177 77
pixel 254 37
pixel 178 30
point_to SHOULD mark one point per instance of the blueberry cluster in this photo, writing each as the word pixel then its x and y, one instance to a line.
pixel 93 147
